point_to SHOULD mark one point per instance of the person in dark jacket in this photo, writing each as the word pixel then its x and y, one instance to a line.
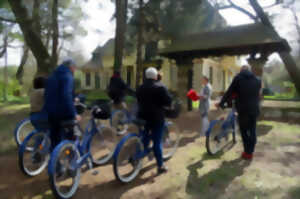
pixel 247 88
pixel 59 100
pixel 117 89
pixel 152 97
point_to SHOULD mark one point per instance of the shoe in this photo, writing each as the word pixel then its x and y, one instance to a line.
pixel 247 156
pixel 162 169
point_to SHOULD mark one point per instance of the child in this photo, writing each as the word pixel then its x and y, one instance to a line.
pixel 204 105
pixel 38 117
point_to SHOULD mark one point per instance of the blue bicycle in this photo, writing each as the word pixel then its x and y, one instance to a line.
pixel 69 156
pixel 221 132
pixel 22 130
pixel 34 152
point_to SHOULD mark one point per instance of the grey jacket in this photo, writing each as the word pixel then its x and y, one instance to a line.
pixel 204 105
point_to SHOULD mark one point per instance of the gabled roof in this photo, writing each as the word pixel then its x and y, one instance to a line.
pixel 238 40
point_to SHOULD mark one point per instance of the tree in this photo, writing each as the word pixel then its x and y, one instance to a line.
pixel 121 18
pixel 139 61
pixel 286 57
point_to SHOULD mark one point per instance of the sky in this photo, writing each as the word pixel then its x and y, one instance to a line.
pixel 100 27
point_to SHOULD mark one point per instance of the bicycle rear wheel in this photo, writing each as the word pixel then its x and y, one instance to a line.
pixel 219 136
pixel 64 176
pixel 170 140
pixel 33 162
pixel 102 145
pixel 127 163
pixel 23 129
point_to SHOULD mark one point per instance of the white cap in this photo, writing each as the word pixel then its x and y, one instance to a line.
pixel 151 73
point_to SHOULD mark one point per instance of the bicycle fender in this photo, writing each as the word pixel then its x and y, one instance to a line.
pixel 121 143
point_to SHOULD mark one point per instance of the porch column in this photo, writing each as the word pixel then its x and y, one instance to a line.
pixel 184 81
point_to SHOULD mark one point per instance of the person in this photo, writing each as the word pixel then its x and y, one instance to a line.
pixel 38 116
pixel 152 97
pixel 204 105
pixel 247 88
pixel 59 100
pixel 117 90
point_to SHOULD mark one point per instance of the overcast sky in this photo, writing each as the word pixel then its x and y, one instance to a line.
pixel 100 28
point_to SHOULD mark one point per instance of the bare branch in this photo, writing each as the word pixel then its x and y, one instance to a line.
pixel 7 20
pixel 243 11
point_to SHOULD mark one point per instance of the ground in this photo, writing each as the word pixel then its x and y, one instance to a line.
pixel 273 174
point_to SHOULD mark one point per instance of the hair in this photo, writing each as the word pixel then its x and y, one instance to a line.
pixel 206 78
pixel 151 73
pixel 39 82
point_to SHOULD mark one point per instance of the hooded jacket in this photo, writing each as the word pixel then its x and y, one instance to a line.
pixel 247 87
pixel 59 96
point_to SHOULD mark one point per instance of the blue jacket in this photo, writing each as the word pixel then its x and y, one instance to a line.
pixel 59 96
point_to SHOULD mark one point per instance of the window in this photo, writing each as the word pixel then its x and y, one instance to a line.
pixel 211 74
pixel 97 81
pixel 88 79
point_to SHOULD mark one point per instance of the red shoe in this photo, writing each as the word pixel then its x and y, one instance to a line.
pixel 247 156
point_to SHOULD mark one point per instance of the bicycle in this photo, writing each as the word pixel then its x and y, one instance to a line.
pixel 130 150
pixel 221 132
pixel 34 152
pixel 69 156
pixel 22 130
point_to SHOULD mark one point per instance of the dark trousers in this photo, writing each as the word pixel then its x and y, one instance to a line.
pixel 155 132
pixel 247 123
pixel 57 133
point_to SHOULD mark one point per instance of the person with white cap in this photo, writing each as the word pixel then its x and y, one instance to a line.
pixel 152 97
pixel 59 99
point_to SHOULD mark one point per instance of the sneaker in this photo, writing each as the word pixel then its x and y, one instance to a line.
pixel 162 169
pixel 247 156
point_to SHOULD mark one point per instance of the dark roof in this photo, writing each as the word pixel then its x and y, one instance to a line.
pixel 238 40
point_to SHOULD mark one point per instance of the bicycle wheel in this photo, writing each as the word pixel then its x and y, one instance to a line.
pixel 33 162
pixel 64 176
pixel 170 140
pixel 127 163
pixel 119 122
pixel 102 145
pixel 219 136
pixel 22 129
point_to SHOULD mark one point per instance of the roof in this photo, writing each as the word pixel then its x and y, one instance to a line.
pixel 238 40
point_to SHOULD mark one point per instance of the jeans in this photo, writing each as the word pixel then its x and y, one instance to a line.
pixel 247 124
pixel 155 133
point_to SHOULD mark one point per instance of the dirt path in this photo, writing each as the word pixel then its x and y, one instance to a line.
pixel 274 172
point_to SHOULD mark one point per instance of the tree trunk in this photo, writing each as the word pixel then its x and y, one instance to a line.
pixel 139 61
pixel 120 33
pixel 32 38
pixel 55 33
pixel 286 57
pixel 20 71
pixel 5 73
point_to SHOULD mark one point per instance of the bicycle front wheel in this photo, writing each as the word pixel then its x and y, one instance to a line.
pixel 102 145
pixel 128 162
pixel 170 140
pixel 64 175
pixel 23 129
pixel 33 162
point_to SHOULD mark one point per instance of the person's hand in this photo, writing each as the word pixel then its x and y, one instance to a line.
pixel 217 105
pixel 200 97
pixel 78 118
pixel 76 100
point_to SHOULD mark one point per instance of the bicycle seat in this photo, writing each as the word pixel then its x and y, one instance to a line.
pixel 139 122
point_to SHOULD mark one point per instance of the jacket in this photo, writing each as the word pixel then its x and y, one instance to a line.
pixel 59 96
pixel 205 102
pixel 247 88
pixel 152 97
pixel 117 88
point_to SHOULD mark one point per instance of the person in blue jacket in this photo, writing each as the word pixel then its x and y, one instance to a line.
pixel 59 100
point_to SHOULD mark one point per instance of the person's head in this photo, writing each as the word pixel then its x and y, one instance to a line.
pixel 160 75
pixel 39 82
pixel 205 80
pixel 245 68
pixel 151 73
pixel 69 62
